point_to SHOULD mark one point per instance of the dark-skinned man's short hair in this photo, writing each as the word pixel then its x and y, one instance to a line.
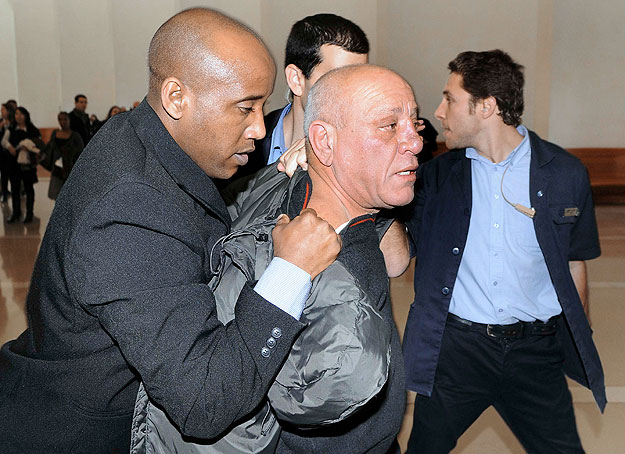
pixel 309 34
pixel 492 73
pixel 77 97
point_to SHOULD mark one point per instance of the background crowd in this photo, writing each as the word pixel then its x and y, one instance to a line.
pixel 22 150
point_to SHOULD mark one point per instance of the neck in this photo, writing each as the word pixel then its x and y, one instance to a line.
pixel 330 201
pixel 293 123
pixel 497 144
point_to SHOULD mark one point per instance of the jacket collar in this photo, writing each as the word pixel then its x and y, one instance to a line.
pixel 182 169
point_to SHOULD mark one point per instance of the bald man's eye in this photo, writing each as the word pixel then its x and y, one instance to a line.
pixel 390 126
pixel 246 110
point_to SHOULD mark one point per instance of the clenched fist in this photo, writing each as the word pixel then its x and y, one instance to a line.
pixel 306 241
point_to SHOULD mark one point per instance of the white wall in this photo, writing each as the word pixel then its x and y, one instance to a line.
pixel 133 25
pixel 8 59
pixel 588 74
pixel 572 51
pixel 38 60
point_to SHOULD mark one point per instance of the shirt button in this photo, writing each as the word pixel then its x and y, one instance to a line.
pixel 496 225
pixel 495 283
pixel 271 342
pixel 500 310
pixel 455 251
pixel 495 254
pixel 276 332
pixel 445 290
pixel 496 196
pixel 265 353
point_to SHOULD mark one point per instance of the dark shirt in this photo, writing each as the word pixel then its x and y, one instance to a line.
pixel 79 122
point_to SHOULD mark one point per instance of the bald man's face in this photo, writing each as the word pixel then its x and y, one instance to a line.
pixel 222 119
pixel 375 159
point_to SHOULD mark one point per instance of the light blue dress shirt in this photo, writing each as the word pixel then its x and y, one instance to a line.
pixel 503 277
pixel 285 285
pixel 277 137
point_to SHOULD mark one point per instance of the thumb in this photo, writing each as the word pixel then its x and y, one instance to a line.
pixel 283 219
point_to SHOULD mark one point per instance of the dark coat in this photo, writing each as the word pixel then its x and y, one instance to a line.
pixel 119 293
pixel 439 226
pixel 79 122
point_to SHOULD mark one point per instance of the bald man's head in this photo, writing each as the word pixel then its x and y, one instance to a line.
pixel 361 122
pixel 209 79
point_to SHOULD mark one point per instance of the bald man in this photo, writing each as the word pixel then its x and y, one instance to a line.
pixel 120 290
pixel 342 388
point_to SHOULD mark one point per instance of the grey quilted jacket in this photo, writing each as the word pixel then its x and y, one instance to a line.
pixel 341 360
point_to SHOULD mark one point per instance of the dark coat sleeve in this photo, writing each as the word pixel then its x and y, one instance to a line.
pixel 139 265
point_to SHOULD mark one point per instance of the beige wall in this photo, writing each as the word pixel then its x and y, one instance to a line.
pixel 572 51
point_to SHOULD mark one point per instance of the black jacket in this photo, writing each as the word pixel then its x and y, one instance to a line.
pixel 439 226
pixel 119 292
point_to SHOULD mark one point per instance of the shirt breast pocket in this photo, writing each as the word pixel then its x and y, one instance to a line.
pixel 564 214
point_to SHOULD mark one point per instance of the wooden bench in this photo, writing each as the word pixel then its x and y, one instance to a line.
pixel 606 168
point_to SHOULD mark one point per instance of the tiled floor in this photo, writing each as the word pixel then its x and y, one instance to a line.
pixel 601 434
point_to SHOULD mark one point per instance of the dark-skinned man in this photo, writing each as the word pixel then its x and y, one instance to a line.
pixel 119 290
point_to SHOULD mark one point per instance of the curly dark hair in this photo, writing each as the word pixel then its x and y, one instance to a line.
pixel 492 73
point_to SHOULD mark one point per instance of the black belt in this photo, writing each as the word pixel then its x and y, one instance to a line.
pixel 514 331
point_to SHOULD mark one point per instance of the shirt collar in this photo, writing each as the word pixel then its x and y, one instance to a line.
pixel 183 170
pixel 277 136
pixel 513 158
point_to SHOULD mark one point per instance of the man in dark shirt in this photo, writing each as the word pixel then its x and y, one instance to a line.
pixel 79 120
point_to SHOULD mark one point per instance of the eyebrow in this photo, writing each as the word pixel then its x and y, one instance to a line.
pixel 447 93
pixel 250 98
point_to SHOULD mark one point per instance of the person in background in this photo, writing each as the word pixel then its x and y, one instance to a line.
pixel 97 124
pixel 60 154
pixel 114 110
pixel 316 44
pixel 23 141
pixel 6 159
pixel 79 119
pixel 503 225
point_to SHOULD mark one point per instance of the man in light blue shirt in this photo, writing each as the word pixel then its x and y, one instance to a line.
pixel 502 225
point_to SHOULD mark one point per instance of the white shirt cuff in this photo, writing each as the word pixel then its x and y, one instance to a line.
pixel 286 286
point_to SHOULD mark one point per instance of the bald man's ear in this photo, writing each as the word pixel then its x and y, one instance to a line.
pixel 322 138
pixel 173 97
pixel 295 79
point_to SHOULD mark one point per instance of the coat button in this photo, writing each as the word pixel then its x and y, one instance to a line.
pixel 455 251
pixel 445 291
pixel 276 332
pixel 539 193
pixel 271 342
pixel 265 353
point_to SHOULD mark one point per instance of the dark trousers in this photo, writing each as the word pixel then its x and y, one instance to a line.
pixel 16 185
pixel 522 378
pixel 4 171
pixel 29 178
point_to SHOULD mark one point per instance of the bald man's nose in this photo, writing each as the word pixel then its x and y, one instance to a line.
pixel 412 142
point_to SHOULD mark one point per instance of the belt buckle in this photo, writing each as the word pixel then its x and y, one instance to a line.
pixel 515 331
pixel 489 332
